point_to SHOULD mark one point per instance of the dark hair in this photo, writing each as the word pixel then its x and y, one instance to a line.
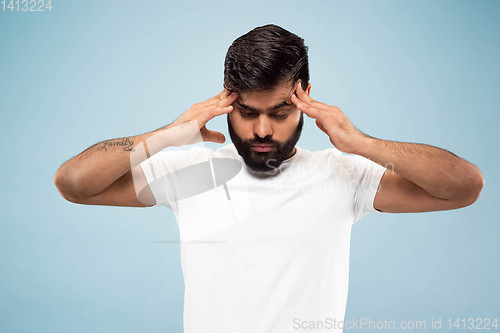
pixel 265 57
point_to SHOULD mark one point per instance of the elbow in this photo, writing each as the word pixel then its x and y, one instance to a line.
pixel 65 186
pixel 478 188
pixel 473 191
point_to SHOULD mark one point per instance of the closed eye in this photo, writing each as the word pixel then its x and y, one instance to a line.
pixel 281 116
pixel 253 114
pixel 247 114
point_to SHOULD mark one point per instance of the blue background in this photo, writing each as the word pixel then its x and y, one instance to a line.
pixel 415 71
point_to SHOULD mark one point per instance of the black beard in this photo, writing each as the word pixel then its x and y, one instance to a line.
pixel 265 161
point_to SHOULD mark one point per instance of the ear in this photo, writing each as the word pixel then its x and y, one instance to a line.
pixel 308 89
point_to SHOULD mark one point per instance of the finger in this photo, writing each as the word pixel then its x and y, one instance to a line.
pixel 217 101
pixel 220 110
pixel 228 100
pixel 224 93
pixel 220 96
pixel 295 100
pixel 301 94
pixel 309 110
pixel 213 136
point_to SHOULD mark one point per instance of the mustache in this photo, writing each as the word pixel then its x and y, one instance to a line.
pixel 266 140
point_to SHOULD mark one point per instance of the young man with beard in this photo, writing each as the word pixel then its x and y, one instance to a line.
pixel 269 250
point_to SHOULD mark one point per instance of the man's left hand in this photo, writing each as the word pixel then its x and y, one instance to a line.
pixel 331 120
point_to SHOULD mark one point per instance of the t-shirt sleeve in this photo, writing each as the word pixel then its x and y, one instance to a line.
pixel 160 172
pixel 368 179
pixel 157 171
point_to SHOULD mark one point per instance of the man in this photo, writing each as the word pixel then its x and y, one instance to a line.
pixel 264 224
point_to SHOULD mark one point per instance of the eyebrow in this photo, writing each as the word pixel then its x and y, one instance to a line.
pixel 274 108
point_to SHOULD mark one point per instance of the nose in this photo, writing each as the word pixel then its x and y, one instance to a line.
pixel 262 126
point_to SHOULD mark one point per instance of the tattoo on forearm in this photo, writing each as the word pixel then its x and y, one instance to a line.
pixel 125 143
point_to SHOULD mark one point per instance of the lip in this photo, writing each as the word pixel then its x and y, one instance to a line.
pixel 262 148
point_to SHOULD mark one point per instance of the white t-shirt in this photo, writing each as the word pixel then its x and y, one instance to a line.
pixel 266 252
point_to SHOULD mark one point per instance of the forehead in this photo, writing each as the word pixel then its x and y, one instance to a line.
pixel 268 98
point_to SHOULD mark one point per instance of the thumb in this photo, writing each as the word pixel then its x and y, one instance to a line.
pixel 212 136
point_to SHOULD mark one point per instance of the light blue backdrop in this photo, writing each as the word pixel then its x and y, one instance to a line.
pixel 418 71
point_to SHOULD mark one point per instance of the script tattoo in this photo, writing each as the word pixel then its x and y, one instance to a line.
pixel 125 143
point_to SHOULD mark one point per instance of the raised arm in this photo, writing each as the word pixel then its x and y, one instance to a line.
pixel 423 178
pixel 108 173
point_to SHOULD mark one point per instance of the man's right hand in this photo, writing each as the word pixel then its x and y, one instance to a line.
pixel 204 111
pixel 113 176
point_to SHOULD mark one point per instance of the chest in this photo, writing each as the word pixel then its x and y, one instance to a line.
pixel 247 209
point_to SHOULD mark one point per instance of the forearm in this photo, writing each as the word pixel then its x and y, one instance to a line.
pixel 97 167
pixel 438 171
